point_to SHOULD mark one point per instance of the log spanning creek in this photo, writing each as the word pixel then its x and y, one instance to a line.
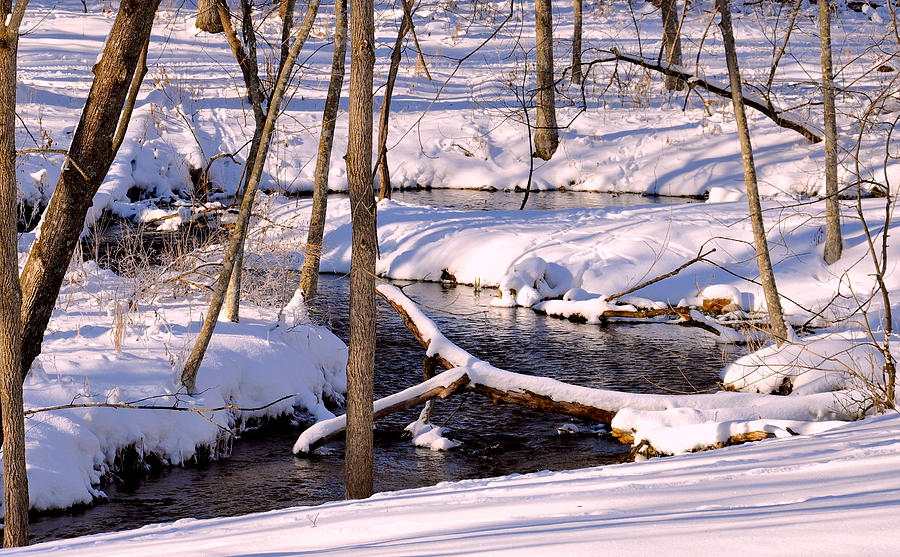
pixel 262 474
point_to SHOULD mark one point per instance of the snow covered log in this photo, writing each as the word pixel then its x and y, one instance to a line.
pixel 441 386
pixel 660 419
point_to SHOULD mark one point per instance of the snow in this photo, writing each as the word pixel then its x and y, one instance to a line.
pixel 86 361
pixel 836 491
pixel 106 344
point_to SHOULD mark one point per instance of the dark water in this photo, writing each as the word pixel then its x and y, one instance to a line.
pixel 262 474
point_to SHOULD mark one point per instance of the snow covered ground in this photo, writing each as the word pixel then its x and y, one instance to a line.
pixel 836 493
pixel 107 343
pixel 630 136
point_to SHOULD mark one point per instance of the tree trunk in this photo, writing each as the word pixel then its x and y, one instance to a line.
pixel 361 359
pixel 139 73
pixel 15 492
pixel 384 175
pixel 192 366
pixel 250 71
pixel 309 277
pixel 577 78
pixel 208 17
pixel 91 152
pixel 766 274
pixel 286 13
pixel 671 41
pixel 546 138
pixel 833 243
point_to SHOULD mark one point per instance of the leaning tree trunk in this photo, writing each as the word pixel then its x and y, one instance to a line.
pixel 577 78
pixel 192 366
pixel 766 274
pixel 208 17
pixel 833 243
pixel 89 159
pixel 358 465
pixel 671 41
pixel 546 138
pixel 15 479
pixel 309 276
pixel 384 174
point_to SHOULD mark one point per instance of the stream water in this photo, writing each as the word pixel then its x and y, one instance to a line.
pixel 262 474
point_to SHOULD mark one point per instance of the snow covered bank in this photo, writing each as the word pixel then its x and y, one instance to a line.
pixel 585 255
pixel 837 491
pixel 104 345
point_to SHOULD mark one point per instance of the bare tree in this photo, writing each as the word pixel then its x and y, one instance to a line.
pixel 361 358
pixel 384 174
pixel 833 243
pixel 89 157
pixel 767 275
pixel 577 78
pixel 309 276
pixel 15 479
pixel 546 137
pixel 671 41
pixel 239 233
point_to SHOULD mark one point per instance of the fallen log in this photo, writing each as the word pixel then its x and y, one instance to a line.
pixel 722 90
pixel 466 372
pixel 325 431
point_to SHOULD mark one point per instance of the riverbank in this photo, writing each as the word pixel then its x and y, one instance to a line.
pixel 837 490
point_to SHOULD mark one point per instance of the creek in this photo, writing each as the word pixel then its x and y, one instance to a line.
pixel 261 473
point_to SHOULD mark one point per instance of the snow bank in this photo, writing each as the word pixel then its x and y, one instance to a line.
pixel 102 348
pixel 837 490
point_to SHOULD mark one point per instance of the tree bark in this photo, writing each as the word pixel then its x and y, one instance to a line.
pixel 361 359
pixel 286 12
pixel 766 274
pixel 192 366
pixel 91 151
pixel 546 138
pixel 15 484
pixel 384 175
pixel 833 242
pixel 309 276
pixel 208 17
pixel 671 41
pixel 577 78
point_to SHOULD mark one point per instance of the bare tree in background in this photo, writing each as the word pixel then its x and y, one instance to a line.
pixel 577 78
pixel 309 276
pixel 359 459
pixel 15 479
pixel 671 41
pixel 766 274
pixel 384 174
pixel 546 137
pixel 833 242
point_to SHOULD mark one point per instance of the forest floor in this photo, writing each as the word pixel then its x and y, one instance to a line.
pixel 120 339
